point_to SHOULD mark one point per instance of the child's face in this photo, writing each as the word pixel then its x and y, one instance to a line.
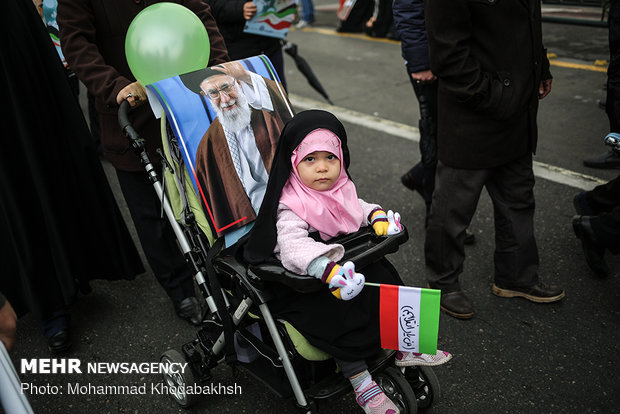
pixel 319 170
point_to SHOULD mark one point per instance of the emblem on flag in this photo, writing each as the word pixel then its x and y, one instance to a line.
pixel 409 318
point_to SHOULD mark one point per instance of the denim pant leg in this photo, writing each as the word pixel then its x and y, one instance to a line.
pixel 307 10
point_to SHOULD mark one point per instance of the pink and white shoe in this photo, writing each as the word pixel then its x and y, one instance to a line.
pixel 374 401
pixel 410 359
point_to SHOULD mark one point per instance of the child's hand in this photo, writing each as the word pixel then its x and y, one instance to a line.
pixel 379 222
pixel 348 283
pixel 394 226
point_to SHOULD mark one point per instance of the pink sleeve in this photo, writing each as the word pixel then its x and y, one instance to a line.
pixel 295 248
pixel 367 208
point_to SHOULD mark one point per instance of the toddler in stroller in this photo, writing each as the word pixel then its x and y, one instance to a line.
pixel 309 191
pixel 244 287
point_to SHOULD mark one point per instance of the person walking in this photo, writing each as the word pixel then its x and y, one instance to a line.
pixel 597 224
pixel 60 226
pixel 410 25
pixel 92 35
pixel 611 158
pixel 231 16
pixel 492 70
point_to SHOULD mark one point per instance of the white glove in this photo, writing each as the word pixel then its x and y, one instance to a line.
pixel 394 226
pixel 349 283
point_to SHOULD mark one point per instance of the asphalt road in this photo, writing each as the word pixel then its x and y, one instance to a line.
pixel 512 357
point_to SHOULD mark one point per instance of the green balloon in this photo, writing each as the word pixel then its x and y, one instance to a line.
pixel 164 40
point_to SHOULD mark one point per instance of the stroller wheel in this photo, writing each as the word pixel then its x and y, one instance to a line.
pixel 179 381
pixel 396 387
pixel 424 383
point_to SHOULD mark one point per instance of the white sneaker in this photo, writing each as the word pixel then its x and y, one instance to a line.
pixel 302 24
pixel 410 359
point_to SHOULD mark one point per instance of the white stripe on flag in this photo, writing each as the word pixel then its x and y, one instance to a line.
pixel 409 318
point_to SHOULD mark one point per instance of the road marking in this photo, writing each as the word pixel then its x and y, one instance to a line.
pixel 553 61
pixel 546 171
pixel 573 65
pixel 332 32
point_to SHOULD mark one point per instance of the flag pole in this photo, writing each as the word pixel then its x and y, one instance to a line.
pixel 372 284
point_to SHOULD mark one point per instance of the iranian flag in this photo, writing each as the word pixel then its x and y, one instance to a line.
pixel 409 318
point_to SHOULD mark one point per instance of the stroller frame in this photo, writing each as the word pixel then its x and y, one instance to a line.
pixel 410 388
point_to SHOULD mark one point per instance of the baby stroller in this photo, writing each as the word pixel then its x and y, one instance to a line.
pixel 239 329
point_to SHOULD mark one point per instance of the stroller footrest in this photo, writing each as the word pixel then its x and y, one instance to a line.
pixel 338 385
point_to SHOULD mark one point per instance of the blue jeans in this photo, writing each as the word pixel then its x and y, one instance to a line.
pixel 307 11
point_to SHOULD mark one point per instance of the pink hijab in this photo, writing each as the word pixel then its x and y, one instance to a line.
pixel 332 212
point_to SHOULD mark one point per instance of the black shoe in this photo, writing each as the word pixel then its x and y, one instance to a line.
pixel 470 238
pixel 411 183
pixel 539 293
pixel 593 250
pixel 189 309
pixel 610 159
pixel 59 342
pixel 582 207
pixel 456 304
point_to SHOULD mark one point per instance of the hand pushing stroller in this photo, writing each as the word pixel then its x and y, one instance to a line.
pixel 239 329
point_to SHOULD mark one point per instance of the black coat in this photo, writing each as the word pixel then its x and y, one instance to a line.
pixel 490 60
pixel 59 223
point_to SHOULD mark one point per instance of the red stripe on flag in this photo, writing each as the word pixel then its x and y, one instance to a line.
pixel 278 25
pixel 388 316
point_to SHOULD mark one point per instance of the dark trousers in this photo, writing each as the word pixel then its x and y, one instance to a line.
pixel 424 170
pixel 456 196
pixel 605 199
pixel 350 369
pixel 156 235
pixel 613 71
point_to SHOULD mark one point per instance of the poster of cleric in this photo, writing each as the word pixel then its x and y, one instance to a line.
pixel 227 120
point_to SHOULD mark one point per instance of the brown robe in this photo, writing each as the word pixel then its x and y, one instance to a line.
pixel 220 186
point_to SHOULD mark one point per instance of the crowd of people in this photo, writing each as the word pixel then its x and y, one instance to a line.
pixel 478 108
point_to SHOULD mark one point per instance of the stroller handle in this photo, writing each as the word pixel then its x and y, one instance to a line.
pixel 137 143
pixel 125 124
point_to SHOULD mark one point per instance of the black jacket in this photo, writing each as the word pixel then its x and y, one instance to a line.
pixel 228 15
pixel 489 58
pixel 409 24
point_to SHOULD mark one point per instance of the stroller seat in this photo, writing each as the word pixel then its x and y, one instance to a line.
pixel 240 329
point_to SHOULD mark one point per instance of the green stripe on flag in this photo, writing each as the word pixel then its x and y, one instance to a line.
pixel 429 320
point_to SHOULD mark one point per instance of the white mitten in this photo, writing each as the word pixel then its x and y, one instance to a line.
pixel 344 282
pixel 394 226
